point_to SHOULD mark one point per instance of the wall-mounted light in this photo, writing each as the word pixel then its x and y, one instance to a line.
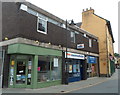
pixel 49 43
pixel 37 42
pixel 6 38
pixel 59 46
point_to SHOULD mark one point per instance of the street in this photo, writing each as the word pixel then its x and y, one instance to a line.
pixel 109 86
pixel 92 85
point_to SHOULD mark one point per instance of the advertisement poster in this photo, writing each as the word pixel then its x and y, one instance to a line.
pixel 18 77
pixel 30 67
pixel 55 62
pixel 13 62
pixel 70 68
pixel 29 63
pixel 11 80
pixel 29 75
pixel 74 68
pixel 38 68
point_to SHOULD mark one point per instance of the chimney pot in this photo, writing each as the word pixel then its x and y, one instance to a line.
pixel 83 10
pixel 86 9
pixel 90 8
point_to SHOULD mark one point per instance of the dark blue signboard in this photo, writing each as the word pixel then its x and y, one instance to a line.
pixel 91 59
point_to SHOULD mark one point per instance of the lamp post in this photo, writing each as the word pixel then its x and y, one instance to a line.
pixel 1 66
pixel 66 63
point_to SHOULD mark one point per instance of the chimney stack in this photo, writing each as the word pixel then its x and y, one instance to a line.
pixel 90 10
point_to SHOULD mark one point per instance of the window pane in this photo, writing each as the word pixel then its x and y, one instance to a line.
pixel 43 69
pixel 42 25
pixel 55 69
pixel 90 43
pixel 73 37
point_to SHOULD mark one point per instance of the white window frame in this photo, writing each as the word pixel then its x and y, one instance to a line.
pixel 38 23
pixel 90 42
pixel 73 36
pixel 23 7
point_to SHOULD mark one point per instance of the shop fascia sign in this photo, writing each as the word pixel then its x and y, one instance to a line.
pixel 91 59
pixel 74 55
pixel 79 46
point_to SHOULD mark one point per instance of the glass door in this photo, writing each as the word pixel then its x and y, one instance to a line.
pixel 21 73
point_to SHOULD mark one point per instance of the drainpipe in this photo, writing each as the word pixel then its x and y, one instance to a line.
pixel 107 54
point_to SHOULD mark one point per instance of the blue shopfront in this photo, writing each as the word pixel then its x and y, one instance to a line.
pixel 92 66
pixel 75 66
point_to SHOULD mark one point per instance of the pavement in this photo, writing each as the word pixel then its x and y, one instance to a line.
pixel 64 88
pixel 59 88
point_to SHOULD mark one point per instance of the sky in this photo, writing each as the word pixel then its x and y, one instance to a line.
pixel 72 9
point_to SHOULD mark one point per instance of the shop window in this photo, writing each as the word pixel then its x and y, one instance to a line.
pixel 74 68
pixel 43 69
pixel 42 26
pixel 48 69
pixel 55 69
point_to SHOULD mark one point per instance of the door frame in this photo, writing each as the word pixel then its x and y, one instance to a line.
pixel 23 58
pixel 20 85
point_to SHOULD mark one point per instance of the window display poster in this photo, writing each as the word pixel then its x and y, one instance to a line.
pixel 38 68
pixel 55 62
pixel 18 77
pixel 70 68
pixel 30 67
pixel 29 75
pixel 13 62
pixel 11 80
pixel 11 71
pixel 29 63
pixel 74 68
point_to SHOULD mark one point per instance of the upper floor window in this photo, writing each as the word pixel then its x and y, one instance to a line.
pixel 90 42
pixel 42 25
pixel 23 7
pixel 72 37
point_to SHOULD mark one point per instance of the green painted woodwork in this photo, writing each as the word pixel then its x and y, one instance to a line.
pixel 19 58
pixel 33 50
pixel 34 72
pixel 47 84
pixel 22 52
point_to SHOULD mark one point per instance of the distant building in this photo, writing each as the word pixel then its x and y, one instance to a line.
pixel 101 28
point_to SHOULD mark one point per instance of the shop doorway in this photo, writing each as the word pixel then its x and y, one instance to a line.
pixel 23 74
pixel 74 70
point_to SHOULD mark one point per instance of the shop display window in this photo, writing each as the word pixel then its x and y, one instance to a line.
pixel 43 68
pixel 74 68
pixel 48 68
pixel 55 69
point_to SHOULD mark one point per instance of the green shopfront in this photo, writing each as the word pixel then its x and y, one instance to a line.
pixel 33 66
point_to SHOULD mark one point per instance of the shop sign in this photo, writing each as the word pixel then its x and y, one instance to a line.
pixel 79 46
pixel 91 59
pixel 74 55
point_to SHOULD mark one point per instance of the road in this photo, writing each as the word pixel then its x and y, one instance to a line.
pixel 109 86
